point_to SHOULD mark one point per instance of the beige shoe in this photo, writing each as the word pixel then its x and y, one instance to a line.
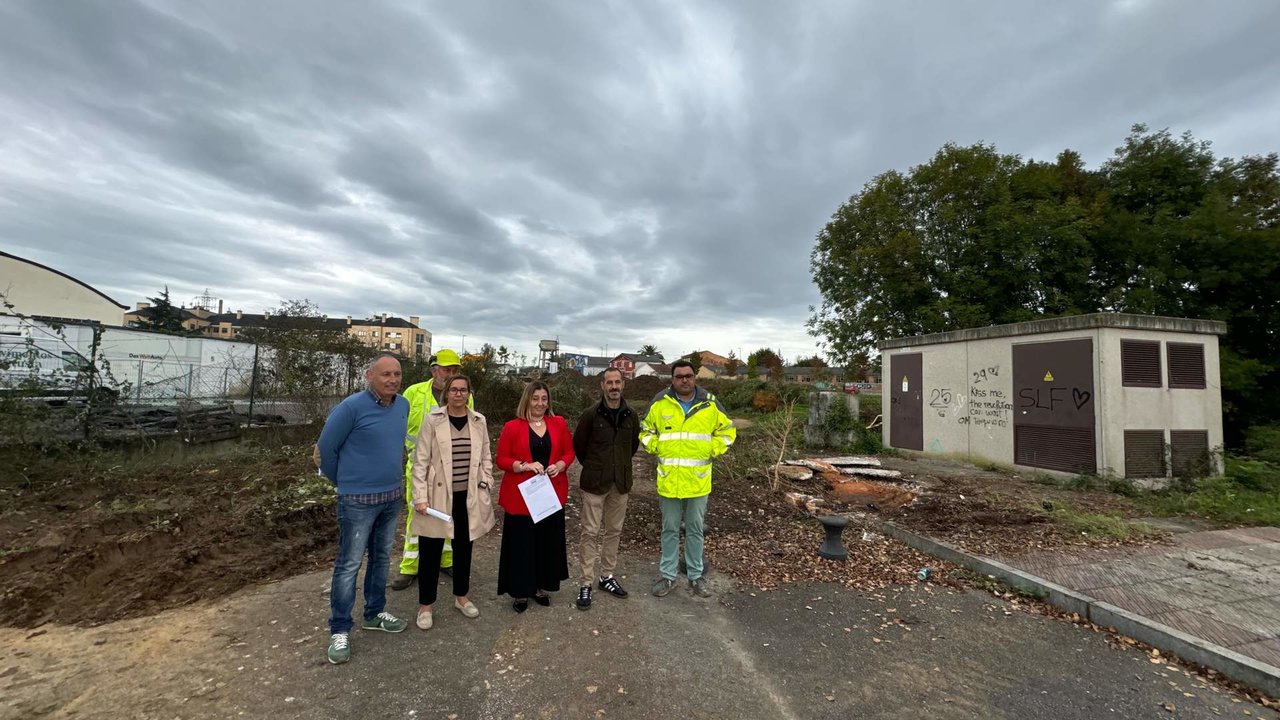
pixel 424 620
pixel 469 608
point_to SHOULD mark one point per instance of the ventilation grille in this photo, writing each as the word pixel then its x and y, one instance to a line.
pixel 1055 448
pixel 1186 365
pixel 1189 451
pixel 1144 454
pixel 1140 363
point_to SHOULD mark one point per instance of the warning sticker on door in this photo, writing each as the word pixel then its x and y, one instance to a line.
pixel 1048 376
pixel 904 383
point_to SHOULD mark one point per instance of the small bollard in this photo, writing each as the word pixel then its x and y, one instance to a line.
pixel 832 547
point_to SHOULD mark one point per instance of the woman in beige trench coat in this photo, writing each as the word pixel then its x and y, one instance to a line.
pixel 452 474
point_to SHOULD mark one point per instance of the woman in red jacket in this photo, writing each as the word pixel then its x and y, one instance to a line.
pixel 533 559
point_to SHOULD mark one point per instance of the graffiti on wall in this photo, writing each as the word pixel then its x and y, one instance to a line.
pixel 988 407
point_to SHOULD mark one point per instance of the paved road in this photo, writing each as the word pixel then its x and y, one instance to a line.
pixel 806 651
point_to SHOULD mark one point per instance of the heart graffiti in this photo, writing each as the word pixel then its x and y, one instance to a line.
pixel 1081 397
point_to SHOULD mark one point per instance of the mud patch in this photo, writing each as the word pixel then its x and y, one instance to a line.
pixel 871 494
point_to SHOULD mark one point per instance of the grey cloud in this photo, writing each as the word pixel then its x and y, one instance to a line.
pixel 609 172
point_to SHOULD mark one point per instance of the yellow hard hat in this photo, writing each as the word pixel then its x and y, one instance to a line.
pixel 446 358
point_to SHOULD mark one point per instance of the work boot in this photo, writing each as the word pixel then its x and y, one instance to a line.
pixel 403 581
pixel 447 571
pixel 611 584
pixel 584 598
pixel 699 588
pixel 662 587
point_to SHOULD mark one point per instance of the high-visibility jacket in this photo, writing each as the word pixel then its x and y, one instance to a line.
pixel 421 400
pixel 685 443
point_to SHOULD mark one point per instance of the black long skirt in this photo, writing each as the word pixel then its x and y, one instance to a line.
pixel 533 555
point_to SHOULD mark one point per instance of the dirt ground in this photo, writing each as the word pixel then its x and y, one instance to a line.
pixel 119 542
pixel 1000 514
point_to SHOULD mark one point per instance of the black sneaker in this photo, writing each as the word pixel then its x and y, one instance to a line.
pixel 584 598
pixel 611 584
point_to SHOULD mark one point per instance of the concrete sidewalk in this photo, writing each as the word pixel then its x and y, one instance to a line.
pixel 1221 586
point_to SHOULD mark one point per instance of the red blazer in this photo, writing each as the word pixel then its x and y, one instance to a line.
pixel 513 447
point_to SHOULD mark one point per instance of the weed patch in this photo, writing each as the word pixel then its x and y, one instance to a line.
pixel 1100 524
pixel 1248 493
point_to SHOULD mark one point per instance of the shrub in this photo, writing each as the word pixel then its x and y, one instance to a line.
pixel 765 401
pixel 1253 474
pixel 499 399
pixel 1262 442
pixel 641 388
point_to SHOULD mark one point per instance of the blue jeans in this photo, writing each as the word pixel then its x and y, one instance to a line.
pixel 693 511
pixel 361 527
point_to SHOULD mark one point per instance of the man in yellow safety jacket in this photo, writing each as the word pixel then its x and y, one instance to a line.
pixel 685 428
pixel 422 397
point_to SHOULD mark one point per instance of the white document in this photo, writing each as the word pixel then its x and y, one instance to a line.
pixel 437 514
pixel 539 496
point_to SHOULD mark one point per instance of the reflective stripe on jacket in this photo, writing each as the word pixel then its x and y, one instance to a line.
pixel 685 443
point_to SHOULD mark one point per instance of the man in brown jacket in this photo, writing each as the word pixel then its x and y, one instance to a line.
pixel 607 436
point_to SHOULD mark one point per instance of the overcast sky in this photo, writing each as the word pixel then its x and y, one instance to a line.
pixel 609 173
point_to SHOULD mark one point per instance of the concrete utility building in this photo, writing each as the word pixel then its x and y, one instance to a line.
pixel 1130 395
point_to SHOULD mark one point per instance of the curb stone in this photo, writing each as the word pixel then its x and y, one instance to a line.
pixel 1254 673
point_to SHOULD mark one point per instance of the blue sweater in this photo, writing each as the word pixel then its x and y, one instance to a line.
pixel 362 444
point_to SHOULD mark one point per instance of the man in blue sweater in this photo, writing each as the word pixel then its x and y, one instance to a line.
pixel 361 452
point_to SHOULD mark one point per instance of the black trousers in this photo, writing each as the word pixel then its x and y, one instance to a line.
pixel 429 549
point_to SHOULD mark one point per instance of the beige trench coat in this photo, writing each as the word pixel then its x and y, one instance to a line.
pixel 433 476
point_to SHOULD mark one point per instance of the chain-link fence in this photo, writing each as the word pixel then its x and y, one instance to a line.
pixel 62 381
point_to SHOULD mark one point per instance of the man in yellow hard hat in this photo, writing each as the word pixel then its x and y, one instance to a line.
pixel 422 397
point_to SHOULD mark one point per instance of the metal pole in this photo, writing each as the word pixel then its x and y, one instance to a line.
pixel 253 383
pixel 93 376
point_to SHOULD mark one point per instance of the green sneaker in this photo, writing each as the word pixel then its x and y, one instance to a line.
pixel 385 622
pixel 339 648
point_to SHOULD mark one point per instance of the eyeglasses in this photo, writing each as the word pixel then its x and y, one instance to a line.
pixel 682 377
pixel 459 391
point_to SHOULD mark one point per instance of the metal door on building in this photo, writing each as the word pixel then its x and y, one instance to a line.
pixel 906 401
pixel 1053 421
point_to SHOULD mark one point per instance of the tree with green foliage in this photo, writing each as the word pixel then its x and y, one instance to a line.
pixel 307 359
pixel 753 367
pixel 162 316
pixel 650 350
pixel 695 359
pixel 769 360
pixel 974 238
pixel 731 367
